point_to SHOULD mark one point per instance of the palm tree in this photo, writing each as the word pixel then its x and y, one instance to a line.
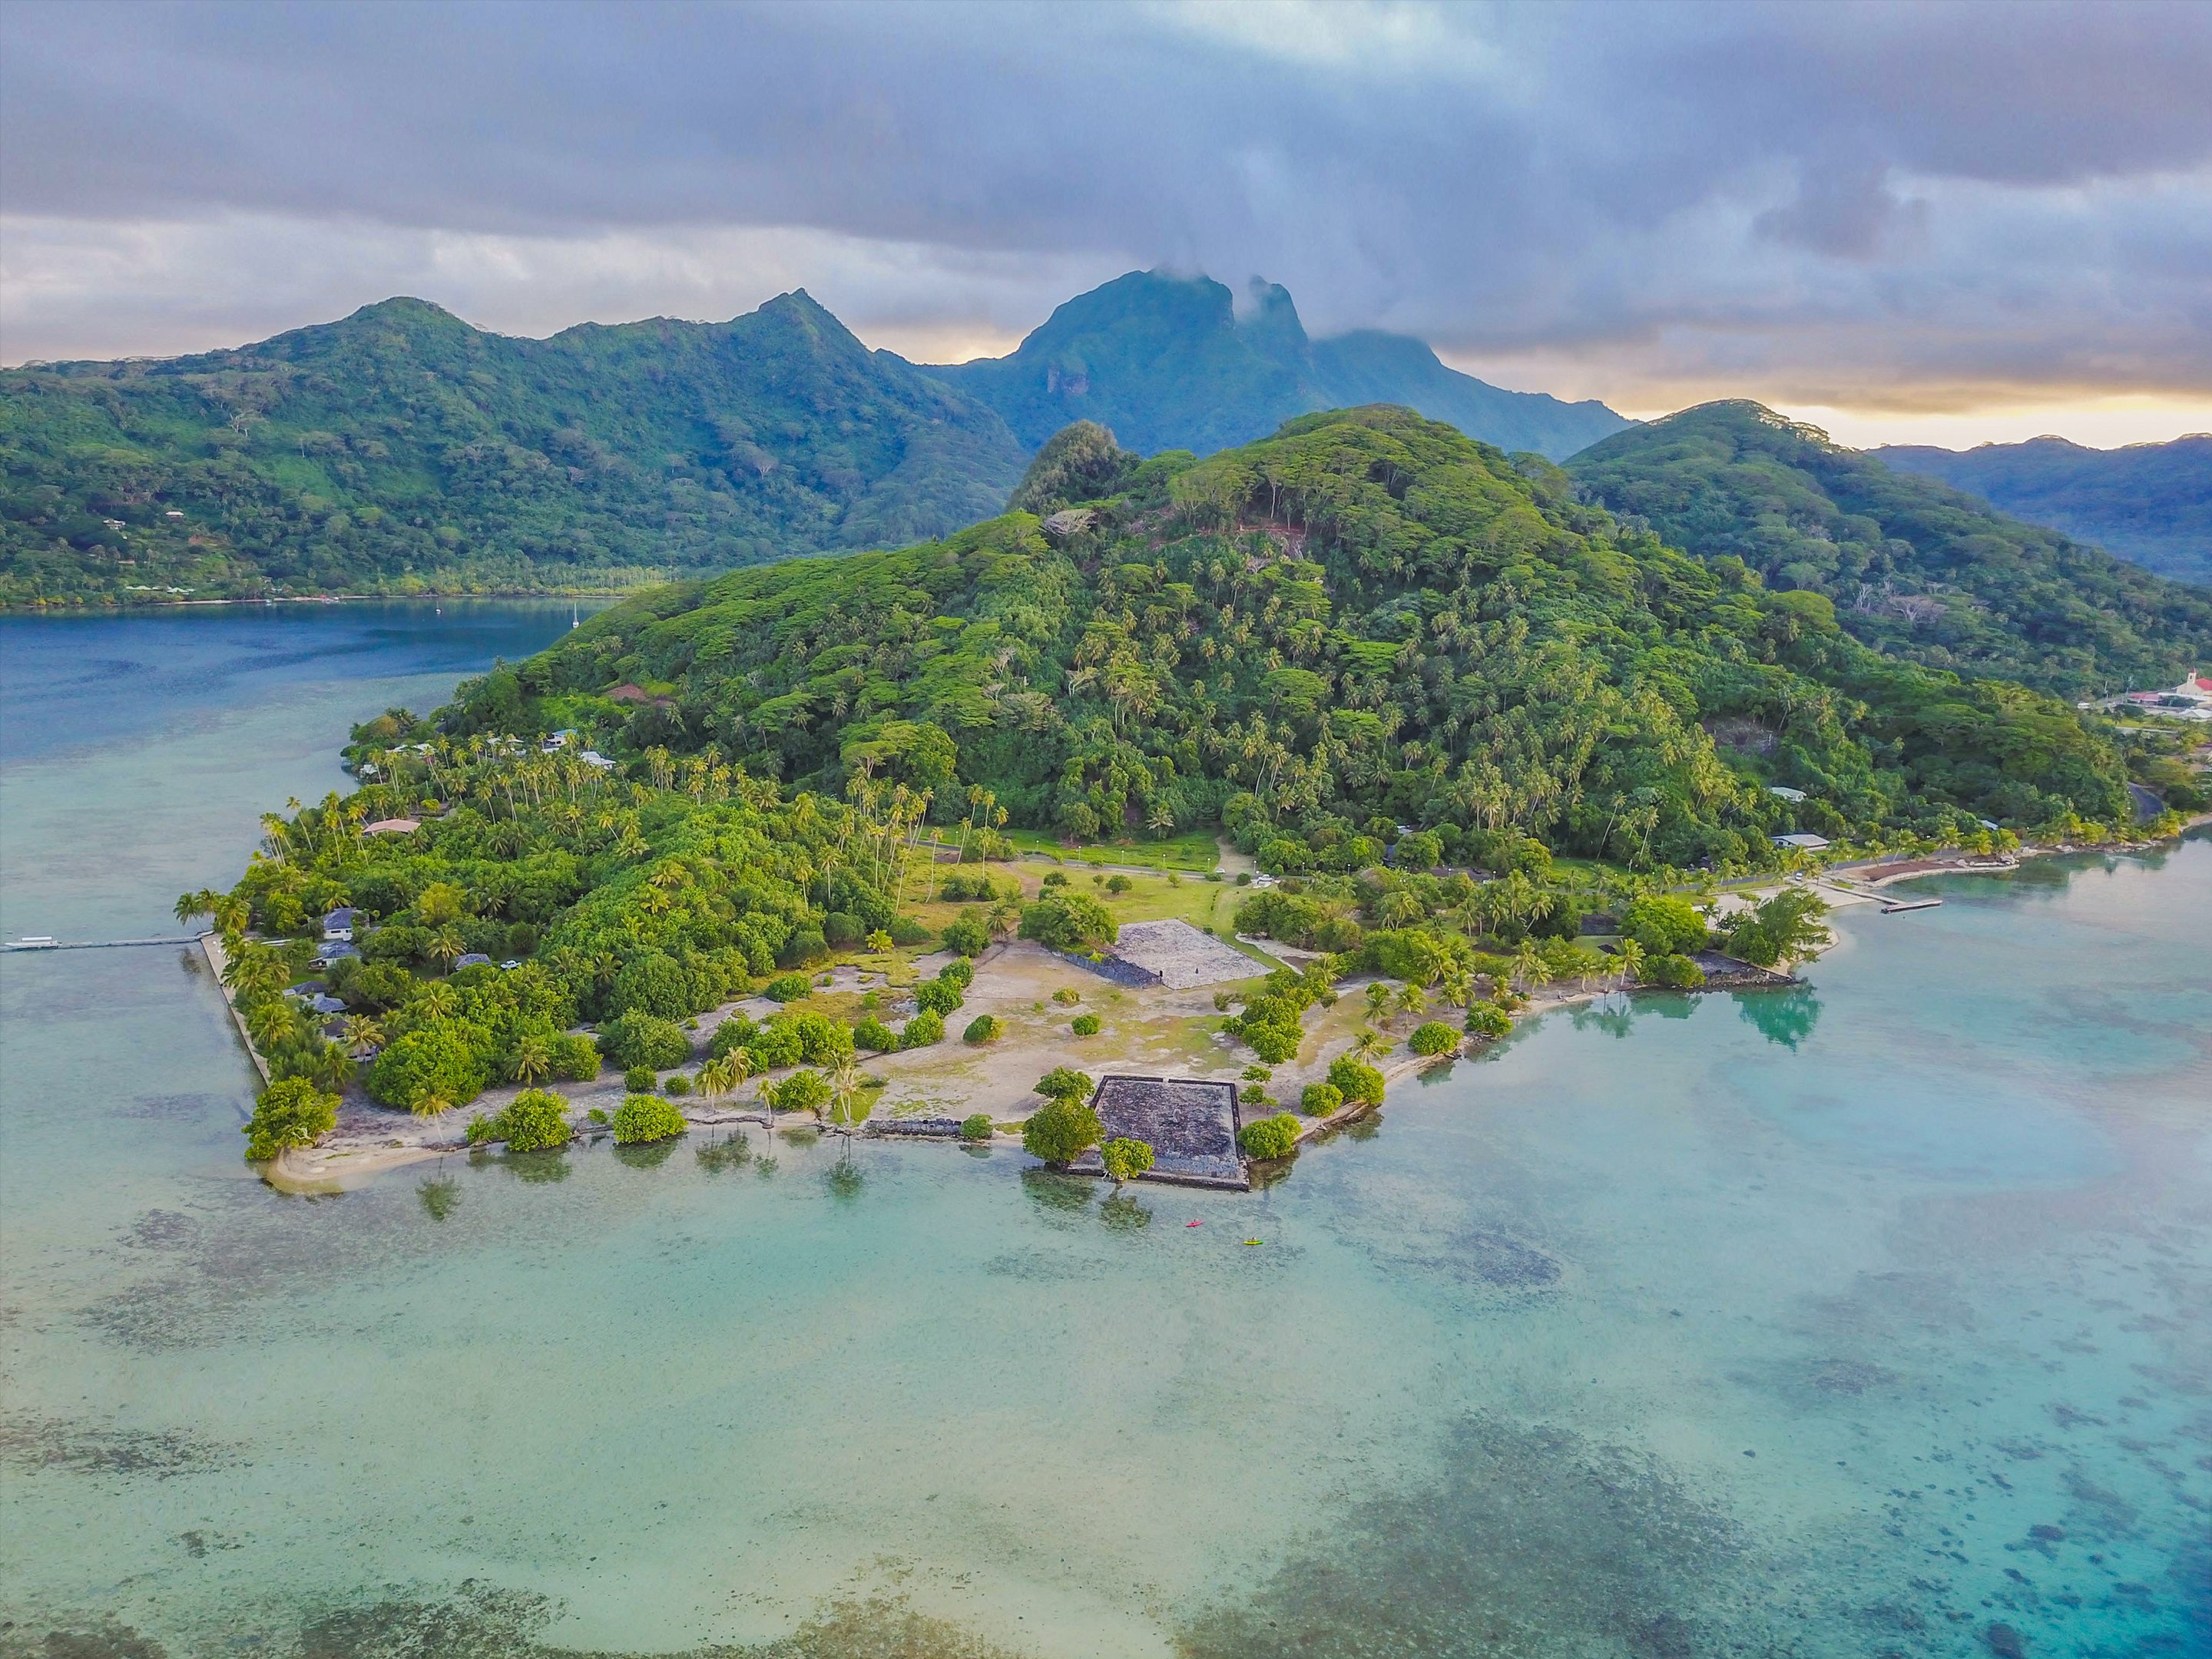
pixel 430 1103
pixel 255 971
pixel 1410 999
pixel 1529 966
pixel 1378 999
pixel 1628 957
pixel 432 1002
pixel 1369 1046
pixel 202 903
pixel 447 946
pixel 844 1089
pixel 271 1024
pixel 725 1075
pixel 363 1034
pixel 533 1059
pixel 331 1069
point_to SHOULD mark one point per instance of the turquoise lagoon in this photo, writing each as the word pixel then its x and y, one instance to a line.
pixel 1872 1319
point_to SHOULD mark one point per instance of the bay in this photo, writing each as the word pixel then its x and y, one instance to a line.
pixel 1871 1319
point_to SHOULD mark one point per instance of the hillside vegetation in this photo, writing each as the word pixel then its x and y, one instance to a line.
pixel 1168 363
pixel 1368 620
pixel 1909 565
pixel 2150 503
pixel 401 449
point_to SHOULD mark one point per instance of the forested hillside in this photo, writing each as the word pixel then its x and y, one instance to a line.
pixel 1368 620
pixel 401 448
pixel 2150 503
pixel 1912 566
pixel 1168 363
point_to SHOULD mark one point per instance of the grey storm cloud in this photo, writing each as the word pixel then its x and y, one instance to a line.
pixel 1854 199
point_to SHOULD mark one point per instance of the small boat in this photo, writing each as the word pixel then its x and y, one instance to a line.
pixel 36 942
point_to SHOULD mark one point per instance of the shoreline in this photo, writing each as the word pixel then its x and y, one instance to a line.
pixel 104 605
pixel 1152 1033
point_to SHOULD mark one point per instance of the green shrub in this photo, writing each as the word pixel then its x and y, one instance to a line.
pixel 872 1034
pixel 479 1131
pixel 1125 1159
pixel 1270 1137
pixel 290 1112
pixel 1276 1044
pixel 924 1028
pixel 788 987
pixel 1355 1080
pixel 1258 1074
pixel 1678 972
pixel 1433 1038
pixel 1787 926
pixel 805 944
pixel 936 996
pixel 638 1079
pixel 597 1114
pixel 1663 924
pixel 1085 1025
pixel 1069 996
pixel 842 928
pixel 534 1120
pixel 1320 1099
pixel 1487 1019
pixel 960 973
pixel 677 1085
pixel 641 1039
pixel 984 1028
pixel 822 1041
pixel 1054 879
pixel 1057 1132
pixel 963 884
pixel 437 1066
pixel 906 930
pixel 976 1127
pixel 652 984
pixel 575 1057
pixel 1069 921
pixel 776 1045
pixel 802 1091
pixel 967 934
pixel 1254 1094
pixel 642 1118
pixel 735 1032
pixel 1120 885
pixel 1063 1083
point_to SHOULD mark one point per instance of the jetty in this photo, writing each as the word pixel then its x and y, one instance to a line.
pixel 45 942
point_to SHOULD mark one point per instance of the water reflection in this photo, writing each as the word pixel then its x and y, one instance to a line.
pixel 650 1155
pixel 1122 1213
pixel 439 1197
pixel 1784 1017
pixel 731 1154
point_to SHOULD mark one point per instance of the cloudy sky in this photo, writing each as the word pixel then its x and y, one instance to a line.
pixel 1947 222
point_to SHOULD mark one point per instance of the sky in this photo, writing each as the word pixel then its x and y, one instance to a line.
pixel 1912 223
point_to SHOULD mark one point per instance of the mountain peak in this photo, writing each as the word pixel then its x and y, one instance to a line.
pixel 1173 360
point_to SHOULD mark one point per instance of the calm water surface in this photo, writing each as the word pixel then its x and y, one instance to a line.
pixel 1874 1319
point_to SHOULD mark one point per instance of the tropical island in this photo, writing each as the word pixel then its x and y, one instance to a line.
pixel 1380 710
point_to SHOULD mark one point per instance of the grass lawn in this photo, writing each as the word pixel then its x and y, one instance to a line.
pixel 1193 850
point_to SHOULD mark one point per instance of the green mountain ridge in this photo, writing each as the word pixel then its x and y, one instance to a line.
pixel 1366 619
pixel 2150 504
pixel 399 448
pixel 1167 363
pixel 1913 567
